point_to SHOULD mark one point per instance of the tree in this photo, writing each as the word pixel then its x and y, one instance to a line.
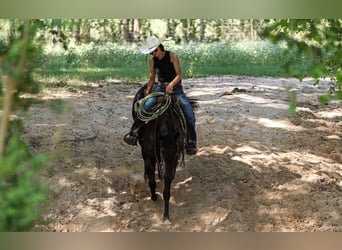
pixel 63 31
pixel 171 28
pixel 20 191
pixel 76 31
pixel 318 40
pixel 136 30
pixel 202 30
pixel 184 36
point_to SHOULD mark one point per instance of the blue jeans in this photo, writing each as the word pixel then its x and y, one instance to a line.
pixel 184 103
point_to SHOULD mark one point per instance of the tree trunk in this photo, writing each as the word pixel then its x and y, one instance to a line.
pixel 125 30
pixel 76 31
pixel 85 31
pixel 184 37
pixel 170 30
pixel 202 30
pixel 104 30
pixel 252 36
pixel 136 30
pixel 11 87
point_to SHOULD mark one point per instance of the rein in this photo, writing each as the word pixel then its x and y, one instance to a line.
pixel 147 116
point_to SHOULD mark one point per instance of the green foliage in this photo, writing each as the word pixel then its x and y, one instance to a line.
pixel 318 42
pixel 19 61
pixel 92 61
pixel 240 58
pixel 105 61
pixel 21 193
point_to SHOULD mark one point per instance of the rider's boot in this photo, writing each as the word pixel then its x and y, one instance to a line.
pixel 190 146
pixel 131 138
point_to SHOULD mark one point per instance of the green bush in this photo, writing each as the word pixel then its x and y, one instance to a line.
pixel 21 192
pixel 92 61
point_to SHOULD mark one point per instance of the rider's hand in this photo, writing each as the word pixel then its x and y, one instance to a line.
pixel 147 92
pixel 169 89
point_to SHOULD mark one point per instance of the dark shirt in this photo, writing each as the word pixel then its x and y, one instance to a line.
pixel 164 68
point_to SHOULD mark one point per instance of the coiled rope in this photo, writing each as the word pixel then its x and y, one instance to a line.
pixel 147 116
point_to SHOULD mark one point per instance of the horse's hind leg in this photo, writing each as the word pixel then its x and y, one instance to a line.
pixel 150 174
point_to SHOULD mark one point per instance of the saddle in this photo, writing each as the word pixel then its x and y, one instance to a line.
pixel 163 103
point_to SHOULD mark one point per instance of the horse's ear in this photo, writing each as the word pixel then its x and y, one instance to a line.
pixel 141 92
pixel 138 96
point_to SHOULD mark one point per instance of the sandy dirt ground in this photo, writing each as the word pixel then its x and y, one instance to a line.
pixel 257 168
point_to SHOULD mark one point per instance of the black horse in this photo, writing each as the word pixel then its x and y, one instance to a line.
pixel 162 144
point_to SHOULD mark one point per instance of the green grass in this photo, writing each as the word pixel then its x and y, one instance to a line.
pixel 91 62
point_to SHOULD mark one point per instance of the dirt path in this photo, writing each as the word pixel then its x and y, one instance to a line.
pixel 257 169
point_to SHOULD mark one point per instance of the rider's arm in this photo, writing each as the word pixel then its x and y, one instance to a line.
pixel 177 66
pixel 152 78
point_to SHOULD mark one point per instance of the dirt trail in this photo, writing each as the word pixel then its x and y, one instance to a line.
pixel 257 168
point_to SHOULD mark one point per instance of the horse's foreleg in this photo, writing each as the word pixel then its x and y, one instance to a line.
pixel 166 196
pixel 150 174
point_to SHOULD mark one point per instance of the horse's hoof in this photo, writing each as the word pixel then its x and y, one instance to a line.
pixel 154 197
pixel 166 218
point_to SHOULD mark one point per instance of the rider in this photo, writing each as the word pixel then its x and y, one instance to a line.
pixel 166 66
